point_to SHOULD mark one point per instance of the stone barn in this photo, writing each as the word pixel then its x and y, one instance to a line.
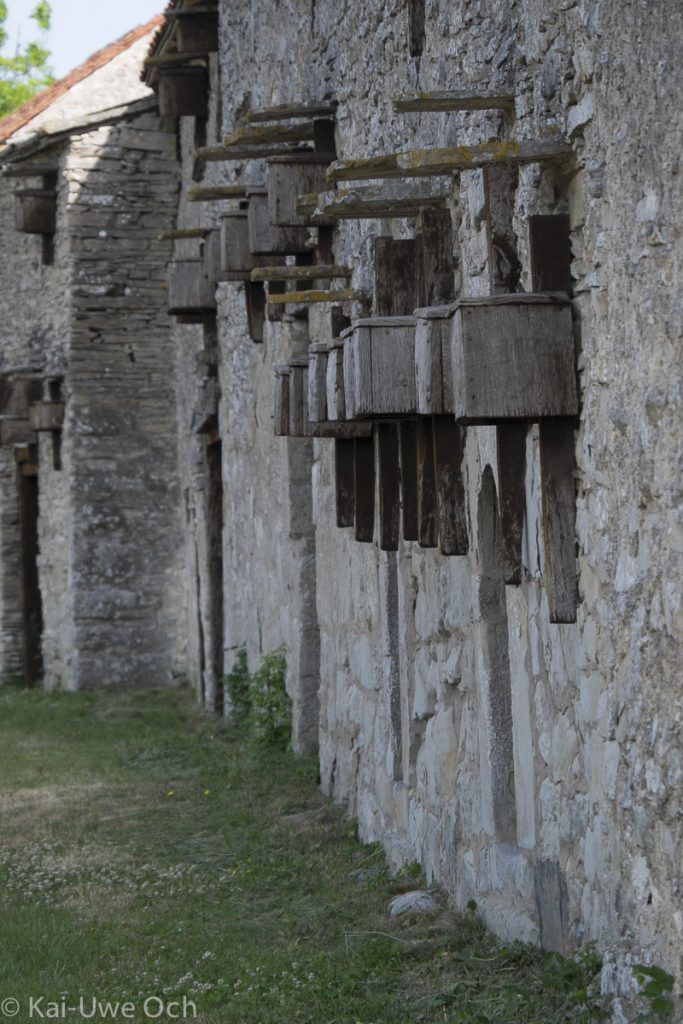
pixel 409 407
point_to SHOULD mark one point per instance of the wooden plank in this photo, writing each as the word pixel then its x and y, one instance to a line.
pixel 30 170
pixel 281 401
pixel 500 186
pixel 224 154
pixel 268 134
pixel 287 111
pixel 213 193
pixel 513 359
pixel 189 289
pixel 314 272
pixel 357 372
pixel 364 489
pixel 407 430
pixel 389 486
pixel 255 298
pixel 336 401
pixel 317 382
pixel 394 199
pixel 511 448
pixel 197 32
pixel 343 479
pixel 550 252
pixel 453 99
pixel 287 179
pixel 174 234
pixel 312 297
pixel 449 450
pixel 339 430
pixel 265 238
pixel 439 161
pixel 298 398
pixel 274 312
pixel 558 463
pixel 395 276
pixel 427 505
pixel 436 264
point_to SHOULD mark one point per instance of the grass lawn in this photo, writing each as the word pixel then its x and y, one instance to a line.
pixel 146 852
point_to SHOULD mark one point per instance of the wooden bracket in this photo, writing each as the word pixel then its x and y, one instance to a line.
pixel 223 154
pixel 449 451
pixel 269 134
pixel 407 430
pixel 418 163
pixel 364 488
pixel 255 297
pixel 291 111
pixel 453 99
pixel 344 461
pixel 389 486
pixel 396 276
pixel 427 502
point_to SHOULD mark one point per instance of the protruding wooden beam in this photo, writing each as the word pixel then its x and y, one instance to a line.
pixel 287 111
pixel 310 272
pixel 453 99
pixel 408 445
pixel 310 297
pixel 396 199
pixel 29 170
pixel 427 503
pixel 224 154
pixel 267 134
pixel 343 479
pixel 213 193
pixel 175 234
pixel 389 486
pixel 364 488
pixel 171 60
pixel 450 485
pixel 419 163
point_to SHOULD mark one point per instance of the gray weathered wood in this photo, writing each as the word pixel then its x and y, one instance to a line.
pixel 436 257
pixel 419 163
pixel 267 239
pixel 176 60
pixel 364 489
pixel 500 186
pixel 35 211
pixel 285 111
pixel 16 430
pixel 558 463
pixel 183 92
pixel 237 260
pixel 449 447
pixel 46 416
pixel 379 368
pixel 343 478
pixel 281 397
pixel 298 397
pixel 174 234
pixel 189 288
pixel 407 430
pixel 453 99
pixel 430 334
pixel 224 154
pixel 29 169
pixel 255 300
pixel 392 199
pixel 395 276
pixel 215 193
pixel 317 381
pixel 511 449
pixel 318 296
pixel 268 134
pixel 427 503
pixel 335 395
pixel 312 272
pixel 288 177
pixel 197 32
pixel 389 486
pixel 338 430
pixel 513 358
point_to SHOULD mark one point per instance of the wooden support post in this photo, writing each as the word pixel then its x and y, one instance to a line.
pixel 389 486
pixel 436 257
pixel 427 508
pixel 396 278
pixel 500 185
pixel 364 488
pixel 255 297
pixel 344 461
pixel 408 442
pixel 550 252
pixel 448 457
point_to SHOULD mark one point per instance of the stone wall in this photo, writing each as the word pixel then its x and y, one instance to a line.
pixel 439 685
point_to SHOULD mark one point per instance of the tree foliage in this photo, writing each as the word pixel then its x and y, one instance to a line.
pixel 28 70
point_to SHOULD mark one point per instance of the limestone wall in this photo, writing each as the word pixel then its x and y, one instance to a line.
pixel 419 653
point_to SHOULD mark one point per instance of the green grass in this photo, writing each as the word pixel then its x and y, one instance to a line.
pixel 147 852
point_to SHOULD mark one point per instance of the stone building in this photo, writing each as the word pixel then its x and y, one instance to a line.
pixel 90 521
pixel 462 525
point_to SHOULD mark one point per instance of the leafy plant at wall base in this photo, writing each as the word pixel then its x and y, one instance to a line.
pixel 28 71
pixel 656 984
pixel 271 708
pixel 237 685
pixel 578 978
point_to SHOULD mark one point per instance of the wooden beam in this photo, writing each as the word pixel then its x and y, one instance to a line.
pixel 364 488
pixel 224 154
pixel 453 99
pixel 28 170
pixel 438 161
pixel 343 478
pixel 310 272
pixel 449 452
pixel 184 13
pixel 427 503
pixel 389 486
pixel 174 234
pixel 287 111
pixel 396 199
pixel 312 297
pixel 171 60
pixel 268 134
pixel 213 193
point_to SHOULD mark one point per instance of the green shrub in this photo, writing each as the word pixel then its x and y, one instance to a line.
pixel 237 687
pixel 259 703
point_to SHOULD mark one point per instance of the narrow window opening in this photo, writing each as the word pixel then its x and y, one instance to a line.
pixel 416 27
